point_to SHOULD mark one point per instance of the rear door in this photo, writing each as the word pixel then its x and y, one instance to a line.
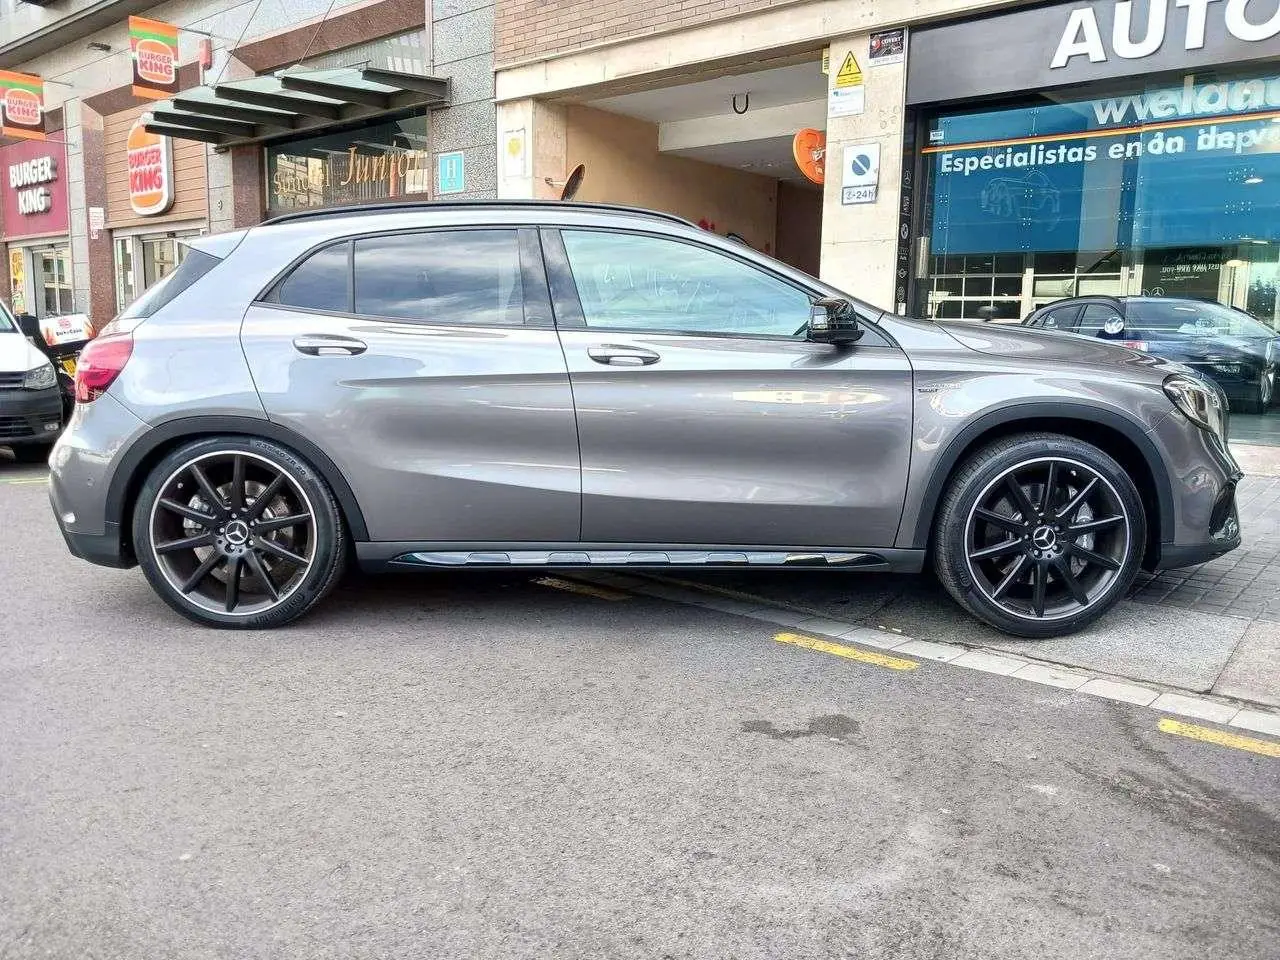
pixel 705 416
pixel 426 365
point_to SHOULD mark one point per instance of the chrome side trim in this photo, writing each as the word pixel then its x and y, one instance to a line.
pixel 635 558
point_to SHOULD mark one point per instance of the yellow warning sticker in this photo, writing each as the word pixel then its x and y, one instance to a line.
pixel 850 74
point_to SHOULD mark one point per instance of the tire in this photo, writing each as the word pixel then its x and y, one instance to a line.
pixel 32 452
pixel 281 538
pixel 1039 578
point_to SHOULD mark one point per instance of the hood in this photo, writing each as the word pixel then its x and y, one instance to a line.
pixel 1029 343
pixel 17 355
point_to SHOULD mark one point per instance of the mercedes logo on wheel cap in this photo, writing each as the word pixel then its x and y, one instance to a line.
pixel 237 533
pixel 1044 538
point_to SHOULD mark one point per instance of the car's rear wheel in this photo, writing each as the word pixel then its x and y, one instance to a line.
pixel 1039 534
pixel 238 532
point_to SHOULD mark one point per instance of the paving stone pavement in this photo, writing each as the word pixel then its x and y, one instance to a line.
pixel 1246 582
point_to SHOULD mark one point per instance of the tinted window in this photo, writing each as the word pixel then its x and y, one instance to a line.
pixel 194 265
pixel 1060 318
pixel 1188 318
pixel 320 282
pixel 1102 320
pixel 462 276
pixel 636 282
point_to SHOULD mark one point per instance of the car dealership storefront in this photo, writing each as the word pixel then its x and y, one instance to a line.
pixel 1146 162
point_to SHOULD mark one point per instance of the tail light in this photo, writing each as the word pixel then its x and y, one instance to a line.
pixel 1136 345
pixel 100 363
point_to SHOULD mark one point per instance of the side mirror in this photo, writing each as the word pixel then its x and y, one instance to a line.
pixel 833 320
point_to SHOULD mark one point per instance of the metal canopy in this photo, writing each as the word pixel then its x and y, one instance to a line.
pixel 289 102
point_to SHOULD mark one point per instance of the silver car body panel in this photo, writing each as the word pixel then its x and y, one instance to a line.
pixel 460 440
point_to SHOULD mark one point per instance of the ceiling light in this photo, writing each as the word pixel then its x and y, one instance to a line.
pixel 1234 262
pixel 1252 179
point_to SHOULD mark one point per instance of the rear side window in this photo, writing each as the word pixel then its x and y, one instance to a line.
pixel 320 282
pixel 1061 318
pixel 455 276
pixel 194 265
pixel 1102 320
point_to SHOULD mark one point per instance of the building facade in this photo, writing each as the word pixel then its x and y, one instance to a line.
pixel 981 160
pixel 95 214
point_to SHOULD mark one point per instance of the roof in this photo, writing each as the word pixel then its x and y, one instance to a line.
pixel 420 206
pixel 290 103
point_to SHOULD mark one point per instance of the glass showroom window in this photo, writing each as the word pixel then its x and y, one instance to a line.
pixel 144 259
pixel 1166 189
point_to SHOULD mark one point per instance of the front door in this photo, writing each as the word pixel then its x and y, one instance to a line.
pixel 704 415
pixel 425 365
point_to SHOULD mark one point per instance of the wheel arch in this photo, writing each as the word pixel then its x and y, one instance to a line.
pixel 152 447
pixel 1115 434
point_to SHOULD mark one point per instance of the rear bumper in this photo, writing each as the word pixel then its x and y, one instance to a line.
pixel 30 416
pixel 105 549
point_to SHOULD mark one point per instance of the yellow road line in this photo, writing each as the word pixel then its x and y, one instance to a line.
pixel 849 653
pixel 1268 748
pixel 585 589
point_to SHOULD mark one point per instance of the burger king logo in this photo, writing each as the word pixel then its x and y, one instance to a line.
pixel 155 62
pixel 150 163
pixel 21 107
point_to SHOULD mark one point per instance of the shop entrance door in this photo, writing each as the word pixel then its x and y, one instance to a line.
pixel 53 281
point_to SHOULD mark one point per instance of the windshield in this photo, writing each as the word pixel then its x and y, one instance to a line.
pixel 6 321
pixel 1191 318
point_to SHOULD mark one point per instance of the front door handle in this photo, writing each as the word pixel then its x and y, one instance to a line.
pixel 328 345
pixel 616 355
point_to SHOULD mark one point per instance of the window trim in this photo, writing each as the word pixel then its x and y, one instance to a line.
pixel 529 267
pixel 568 302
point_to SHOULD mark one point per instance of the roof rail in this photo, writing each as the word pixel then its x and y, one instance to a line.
pixel 356 209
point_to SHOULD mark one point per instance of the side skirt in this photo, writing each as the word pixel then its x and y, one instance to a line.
pixel 380 556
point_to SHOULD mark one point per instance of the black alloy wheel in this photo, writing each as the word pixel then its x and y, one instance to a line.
pixel 1041 537
pixel 238 534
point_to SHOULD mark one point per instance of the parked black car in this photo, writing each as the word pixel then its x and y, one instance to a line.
pixel 1235 350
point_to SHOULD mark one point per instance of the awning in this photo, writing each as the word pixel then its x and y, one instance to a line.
pixel 291 102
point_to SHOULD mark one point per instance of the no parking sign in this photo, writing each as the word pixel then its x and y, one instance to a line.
pixel 861 176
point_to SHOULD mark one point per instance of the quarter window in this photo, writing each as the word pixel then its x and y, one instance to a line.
pixel 1100 320
pixel 460 276
pixel 321 282
pixel 628 281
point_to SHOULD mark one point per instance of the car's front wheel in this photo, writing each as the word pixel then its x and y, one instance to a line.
pixel 1039 534
pixel 238 532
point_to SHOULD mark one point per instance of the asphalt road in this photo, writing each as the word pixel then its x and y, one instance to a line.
pixel 492 767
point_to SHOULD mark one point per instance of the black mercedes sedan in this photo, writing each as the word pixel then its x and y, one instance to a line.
pixel 1232 348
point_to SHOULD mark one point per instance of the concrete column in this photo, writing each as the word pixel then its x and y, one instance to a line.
pixel 545 149
pixel 860 241
pixel 100 272
pixel 78 216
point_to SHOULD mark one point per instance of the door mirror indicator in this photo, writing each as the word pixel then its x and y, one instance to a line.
pixel 833 320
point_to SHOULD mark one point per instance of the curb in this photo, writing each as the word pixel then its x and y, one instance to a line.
pixel 1242 716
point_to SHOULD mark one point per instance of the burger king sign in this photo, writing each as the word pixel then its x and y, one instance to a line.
pixel 150 165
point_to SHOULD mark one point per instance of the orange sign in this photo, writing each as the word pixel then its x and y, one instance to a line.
pixel 154 45
pixel 23 105
pixel 150 164
pixel 810 150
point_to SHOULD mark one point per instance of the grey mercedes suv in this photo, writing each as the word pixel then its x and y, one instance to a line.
pixel 526 384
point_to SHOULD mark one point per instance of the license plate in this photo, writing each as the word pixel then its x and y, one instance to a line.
pixel 69 365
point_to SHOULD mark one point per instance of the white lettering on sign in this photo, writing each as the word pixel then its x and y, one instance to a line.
pixel 29 172
pixel 1082 37
pixel 26 177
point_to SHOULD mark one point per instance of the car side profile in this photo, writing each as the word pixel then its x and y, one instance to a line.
pixel 1236 351
pixel 525 384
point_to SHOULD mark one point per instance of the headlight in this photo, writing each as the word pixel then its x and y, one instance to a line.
pixel 40 378
pixel 1202 404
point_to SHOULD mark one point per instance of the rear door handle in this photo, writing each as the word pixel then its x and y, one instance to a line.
pixel 616 355
pixel 327 345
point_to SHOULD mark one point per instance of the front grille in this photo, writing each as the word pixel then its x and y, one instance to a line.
pixel 11 428
pixel 11 381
